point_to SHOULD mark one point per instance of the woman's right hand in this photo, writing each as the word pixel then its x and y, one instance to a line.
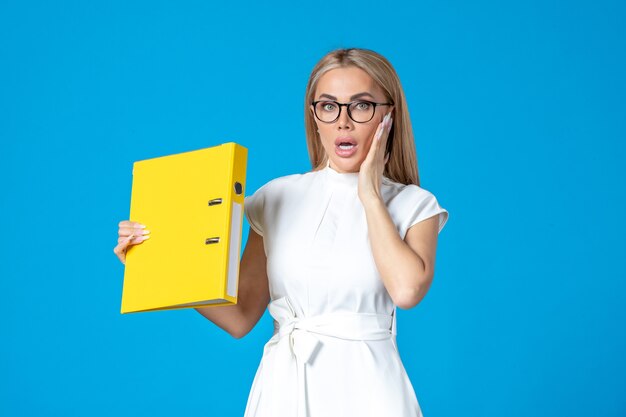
pixel 130 233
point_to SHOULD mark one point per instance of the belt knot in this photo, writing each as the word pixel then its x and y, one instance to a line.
pixel 304 332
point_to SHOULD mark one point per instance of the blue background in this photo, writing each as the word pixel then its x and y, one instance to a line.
pixel 519 116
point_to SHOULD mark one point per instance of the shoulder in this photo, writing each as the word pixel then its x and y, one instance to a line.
pixel 410 204
pixel 288 180
pixel 279 185
pixel 398 193
pixel 264 206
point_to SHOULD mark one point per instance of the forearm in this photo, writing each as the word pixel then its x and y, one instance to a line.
pixel 238 319
pixel 229 318
pixel 252 294
pixel 403 272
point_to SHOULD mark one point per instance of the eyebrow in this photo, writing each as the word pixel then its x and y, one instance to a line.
pixel 359 95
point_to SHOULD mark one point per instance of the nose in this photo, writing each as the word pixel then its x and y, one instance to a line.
pixel 344 121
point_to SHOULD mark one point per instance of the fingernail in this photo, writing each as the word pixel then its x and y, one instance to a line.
pixel 146 237
pixel 143 226
pixel 145 231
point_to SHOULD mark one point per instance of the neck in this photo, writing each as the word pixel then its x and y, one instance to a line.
pixel 329 165
pixel 350 179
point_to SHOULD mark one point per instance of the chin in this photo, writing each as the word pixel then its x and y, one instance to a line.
pixel 347 165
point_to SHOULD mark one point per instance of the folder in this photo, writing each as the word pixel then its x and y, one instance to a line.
pixel 192 203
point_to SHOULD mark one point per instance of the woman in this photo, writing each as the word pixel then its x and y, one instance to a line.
pixel 334 251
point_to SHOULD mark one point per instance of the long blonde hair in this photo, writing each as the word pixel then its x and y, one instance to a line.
pixel 402 164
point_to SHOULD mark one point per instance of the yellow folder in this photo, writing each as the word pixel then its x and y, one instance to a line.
pixel 192 203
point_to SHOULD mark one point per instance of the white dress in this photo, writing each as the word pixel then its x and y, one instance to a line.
pixel 333 352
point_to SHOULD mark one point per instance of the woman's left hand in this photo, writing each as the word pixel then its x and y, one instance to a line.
pixel 372 168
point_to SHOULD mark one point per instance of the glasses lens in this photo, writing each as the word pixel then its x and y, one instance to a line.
pixel 362 111
pixel 326 111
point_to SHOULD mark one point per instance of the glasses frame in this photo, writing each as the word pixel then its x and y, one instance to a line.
pixel 347 105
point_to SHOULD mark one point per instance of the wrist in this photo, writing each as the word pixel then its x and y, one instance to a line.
pixel 372 201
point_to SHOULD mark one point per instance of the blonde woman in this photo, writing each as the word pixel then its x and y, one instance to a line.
pixel 332 252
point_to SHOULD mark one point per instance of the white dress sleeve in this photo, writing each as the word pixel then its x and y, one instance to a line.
pixel 418 205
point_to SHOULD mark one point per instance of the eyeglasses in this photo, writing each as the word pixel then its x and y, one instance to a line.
pixel 360 111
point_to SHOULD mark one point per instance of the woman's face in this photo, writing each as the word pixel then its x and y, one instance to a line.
pixel 345 85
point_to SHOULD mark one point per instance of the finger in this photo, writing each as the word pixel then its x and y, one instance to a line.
pixel 130 240
pixel 124 243
pixel 384 138
pixel 389 123
pixel 128 223
pixel 134 240
pixel 386 130
pixel 120 249
pixel 127 231
pixel 120 255
pixel 375 145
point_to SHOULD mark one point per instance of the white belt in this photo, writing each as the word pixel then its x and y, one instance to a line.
pixel 303 333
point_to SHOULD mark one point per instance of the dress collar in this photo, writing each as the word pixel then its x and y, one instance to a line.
pixel 350 179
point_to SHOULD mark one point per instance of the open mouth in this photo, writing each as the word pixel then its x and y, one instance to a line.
pixel 346 145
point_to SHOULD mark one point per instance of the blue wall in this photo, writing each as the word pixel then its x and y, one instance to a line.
pixel 519 115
